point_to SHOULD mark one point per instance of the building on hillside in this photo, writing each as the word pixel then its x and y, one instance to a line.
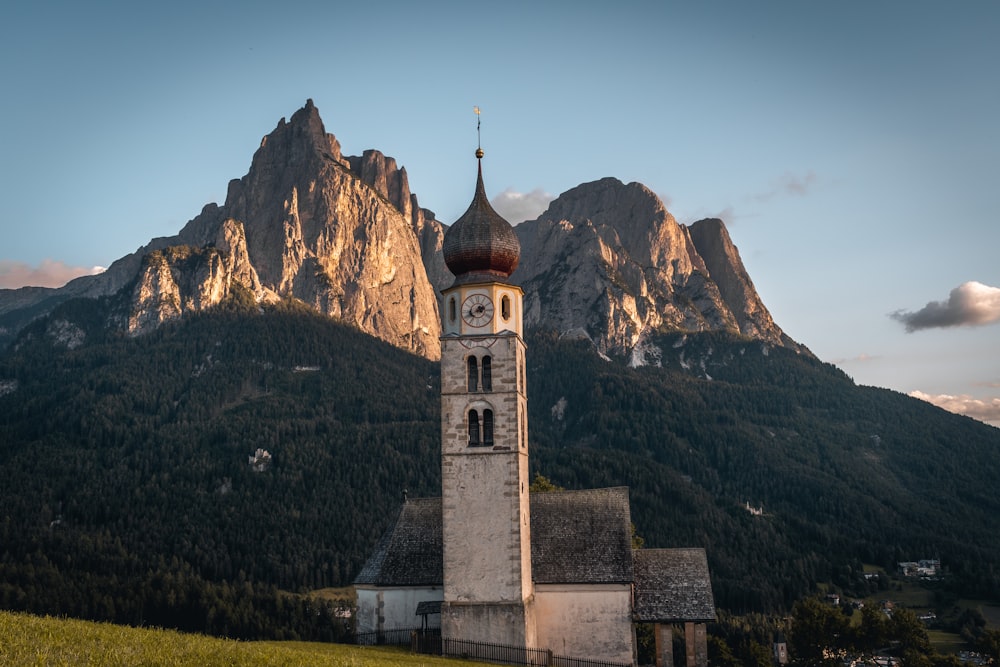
pixel 489 563
pixel 779 649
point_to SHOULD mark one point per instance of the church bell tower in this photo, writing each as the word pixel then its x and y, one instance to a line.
pixel 486 527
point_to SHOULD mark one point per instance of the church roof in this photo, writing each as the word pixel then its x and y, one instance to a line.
pixel 410 552
pixel 576 537
pixel 672 585
pixel 481 245
pixel 581 537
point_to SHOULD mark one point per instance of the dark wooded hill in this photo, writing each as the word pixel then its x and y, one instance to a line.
pixel 128 495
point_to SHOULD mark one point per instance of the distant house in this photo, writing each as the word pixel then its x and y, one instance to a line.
pixel 260 460
pixel 779 649
pixel 924 569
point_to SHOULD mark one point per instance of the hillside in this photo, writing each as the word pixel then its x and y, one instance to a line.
pixel 48 641
pixel 129 496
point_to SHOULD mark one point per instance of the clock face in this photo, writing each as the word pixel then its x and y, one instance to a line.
pixel 477 310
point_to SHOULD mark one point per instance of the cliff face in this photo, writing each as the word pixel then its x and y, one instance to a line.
pixel 346 236
pixel 338 233
pixel 182 279
pixel 608 261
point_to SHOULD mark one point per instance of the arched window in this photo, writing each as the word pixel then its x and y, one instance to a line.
pixel 473 374
pixel 487 374
pixel 488 427
pixel 474 427
pixel 505 307
pixel 451 310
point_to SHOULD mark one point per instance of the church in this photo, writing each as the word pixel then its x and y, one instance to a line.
pixel 488 562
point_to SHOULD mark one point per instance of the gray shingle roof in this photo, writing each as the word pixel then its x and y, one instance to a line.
pixel 409 553
pixel 672 585
pixel 581 537
pixel 577 537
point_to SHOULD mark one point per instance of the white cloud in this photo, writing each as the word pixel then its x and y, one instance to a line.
pixel 519 206
pixel 789 184
pixel 50 273
pixel 970 304
pixel 986 411
pixel 862 358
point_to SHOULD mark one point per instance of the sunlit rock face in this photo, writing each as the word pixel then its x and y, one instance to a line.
pixel 609 261
pixel 338 233
pixel 180 279
pixel 341 234
pixel 344 235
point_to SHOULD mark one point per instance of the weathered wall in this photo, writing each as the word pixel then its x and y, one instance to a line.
pixel 592 621
pixel 389 609
pixel 509 624
pixel 485 523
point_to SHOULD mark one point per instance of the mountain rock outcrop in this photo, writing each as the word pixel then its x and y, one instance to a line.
pixel 609 262
pixel 345 235
pixel 183 279
pixel 722 260
pixel 337 233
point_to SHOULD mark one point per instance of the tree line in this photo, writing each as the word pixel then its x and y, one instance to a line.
pixel 128 490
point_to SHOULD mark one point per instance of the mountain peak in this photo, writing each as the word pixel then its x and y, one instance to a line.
pixel 608 259
pixel 345 235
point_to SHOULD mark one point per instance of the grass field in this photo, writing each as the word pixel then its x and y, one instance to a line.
pixel 45 641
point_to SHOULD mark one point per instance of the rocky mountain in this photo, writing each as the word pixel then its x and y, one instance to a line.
pixel 344 235
pixel 337 233
pixel 608 262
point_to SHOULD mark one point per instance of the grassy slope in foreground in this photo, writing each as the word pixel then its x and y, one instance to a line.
pixel 35 640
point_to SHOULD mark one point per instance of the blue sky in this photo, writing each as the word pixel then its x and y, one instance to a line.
pixel 850 147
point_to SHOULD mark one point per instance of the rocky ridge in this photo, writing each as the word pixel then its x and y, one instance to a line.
pixel 337 233
pixel 608 262
pixel 345 235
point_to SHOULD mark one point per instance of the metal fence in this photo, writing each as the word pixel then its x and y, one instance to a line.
pixel 397 637
pixel 430 642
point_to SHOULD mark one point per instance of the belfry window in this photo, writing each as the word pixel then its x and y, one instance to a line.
pixel 451 310
pixel 487 374
pixel 474 427
pixel 505 307
pixel 488 427
pixel 473 374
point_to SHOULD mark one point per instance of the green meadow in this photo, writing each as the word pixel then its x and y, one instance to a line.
pixel 46 641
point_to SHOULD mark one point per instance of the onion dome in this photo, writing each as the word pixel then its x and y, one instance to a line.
pixel 481 245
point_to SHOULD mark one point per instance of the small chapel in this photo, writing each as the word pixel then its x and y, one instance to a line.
pixel 488 562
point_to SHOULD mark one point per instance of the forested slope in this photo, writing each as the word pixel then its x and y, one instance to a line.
pixel 844 474
pixel 126 461
pixel 128 495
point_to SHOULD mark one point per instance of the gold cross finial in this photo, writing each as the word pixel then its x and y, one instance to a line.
pixel 479 142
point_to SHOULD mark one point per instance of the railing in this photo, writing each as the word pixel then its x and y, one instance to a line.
pixel 397 637
pixel 430 642
pixel 498 653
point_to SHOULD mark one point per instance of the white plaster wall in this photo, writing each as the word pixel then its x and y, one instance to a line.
pixel 487 556
pixel 394 608
pixel 366 616
pixel 509 624
pixel 585 621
